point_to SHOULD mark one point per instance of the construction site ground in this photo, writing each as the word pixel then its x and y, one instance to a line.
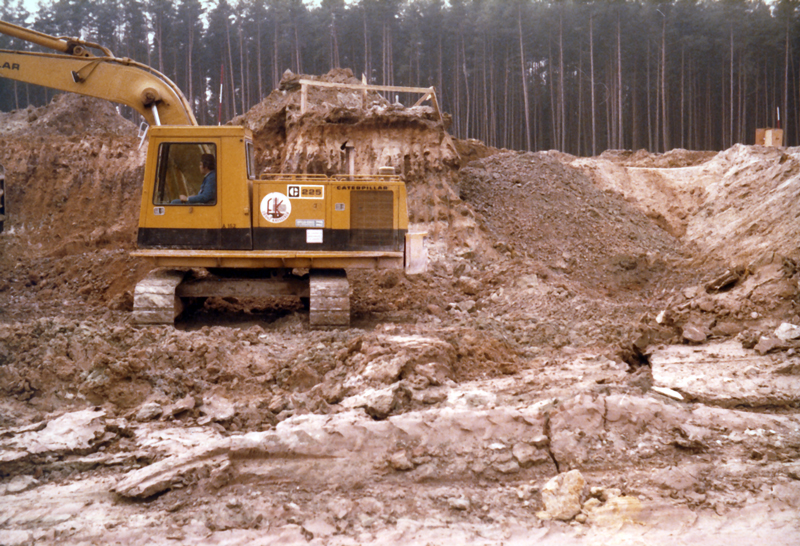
pixel 603 350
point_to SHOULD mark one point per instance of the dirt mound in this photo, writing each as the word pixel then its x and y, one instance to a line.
pixel 671 159
pixel 68 114
pixel 733 206
pixel 471 150
pixel 553 214
pixel 73 180
pixel 413 140
pixel 745 215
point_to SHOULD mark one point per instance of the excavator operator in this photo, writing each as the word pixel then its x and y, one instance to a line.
pixel 208 189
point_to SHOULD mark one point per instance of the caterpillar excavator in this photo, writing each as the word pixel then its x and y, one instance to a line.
pixel 205 208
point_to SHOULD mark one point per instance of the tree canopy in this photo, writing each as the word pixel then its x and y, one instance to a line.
pixel 580 76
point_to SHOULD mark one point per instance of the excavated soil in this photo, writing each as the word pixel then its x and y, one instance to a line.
pixel 602 349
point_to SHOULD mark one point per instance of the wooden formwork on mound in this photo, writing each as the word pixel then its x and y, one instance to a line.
pixel 769 137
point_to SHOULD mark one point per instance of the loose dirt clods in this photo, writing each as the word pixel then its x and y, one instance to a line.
pixel 603 350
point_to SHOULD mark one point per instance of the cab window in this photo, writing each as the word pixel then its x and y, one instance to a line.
pixel 181 173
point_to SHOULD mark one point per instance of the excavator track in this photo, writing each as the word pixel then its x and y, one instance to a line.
pixel 155 300
pixel 330 299
pixel 158 298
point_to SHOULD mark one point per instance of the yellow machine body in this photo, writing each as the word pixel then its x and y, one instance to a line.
pixel 287 220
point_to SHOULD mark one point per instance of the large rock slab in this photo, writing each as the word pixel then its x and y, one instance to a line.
pixel 447 443
pixel 595 433
pixel 726 374
pixel 76 432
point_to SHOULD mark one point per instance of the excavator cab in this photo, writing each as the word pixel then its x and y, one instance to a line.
pixel 173 168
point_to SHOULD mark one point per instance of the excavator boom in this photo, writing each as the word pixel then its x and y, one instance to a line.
pixel 77 70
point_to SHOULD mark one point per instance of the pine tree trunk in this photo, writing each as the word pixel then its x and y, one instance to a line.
pixel 665 122
pixel 298 59
pixel 730 97
pixel 440 67
pixel 466 86
pixel 276 74
pixel 258 62
pixel 579 147
pixel 553 103
pixel 366 49
pixel 620 139
pixel 784 110
pixel 242 72
pixel 561 104
pixel 230 64
pixel 189 77
pixel 594 103
pixel 506 141
pixel 158 37
pixel 683 93
pixel 484 130
pixel 524 81
pixel 384 60
pixel 649 105
pixel 334 43
pixel 742 103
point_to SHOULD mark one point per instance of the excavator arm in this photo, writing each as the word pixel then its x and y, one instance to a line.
pixel 77 70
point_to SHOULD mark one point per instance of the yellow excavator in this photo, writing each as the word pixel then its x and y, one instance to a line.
pixel 204 208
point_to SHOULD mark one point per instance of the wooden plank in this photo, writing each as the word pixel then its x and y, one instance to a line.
pixel 367 87
pixel 422 99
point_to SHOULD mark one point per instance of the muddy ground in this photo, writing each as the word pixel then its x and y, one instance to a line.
pixel 603 349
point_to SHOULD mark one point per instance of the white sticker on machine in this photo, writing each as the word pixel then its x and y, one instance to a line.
pixel 313 235
pixel 275 207
pixel 305 192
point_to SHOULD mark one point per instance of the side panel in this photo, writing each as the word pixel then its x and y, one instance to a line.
pixel 291 214
pixel 370 212
pixel 317 213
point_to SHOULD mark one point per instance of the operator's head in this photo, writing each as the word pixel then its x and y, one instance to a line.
pixel 208 161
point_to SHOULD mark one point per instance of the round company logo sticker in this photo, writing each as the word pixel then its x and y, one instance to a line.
pixel 275 207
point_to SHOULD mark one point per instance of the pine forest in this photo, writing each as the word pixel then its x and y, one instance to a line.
pixel 577 76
